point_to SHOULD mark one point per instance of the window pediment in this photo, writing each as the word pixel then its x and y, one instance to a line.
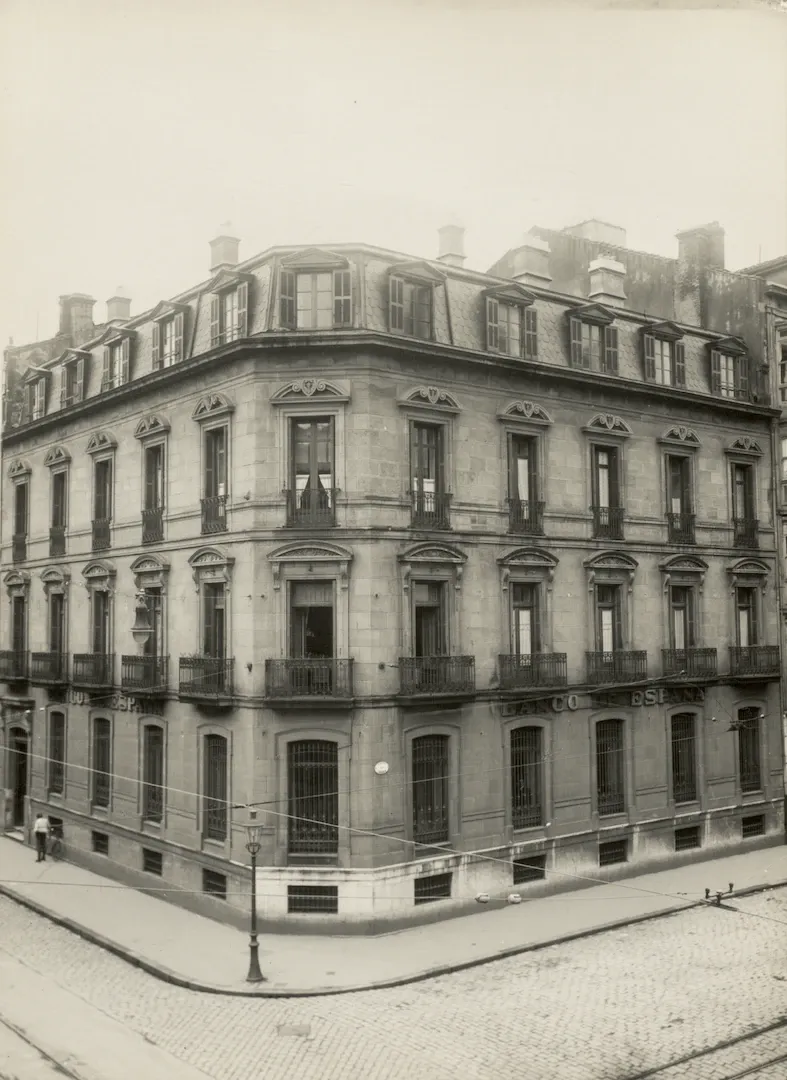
pixel 687 568
pixel 228 279
pixel 69 356
pixel 525 410
pixel 99 575
pixel 19 468
pixel 748 572
pixel 17 583
pixel 681 436
pixel 593 313
pixel 34 375
pixel 151 425
pixel 150 571
pixel 101 440
pixel 115 333
pixel 308 390
pixel 530 562
pixel 55 580
pixel 167 309
pixel 58 455
pixel 315 258
pixel 430 397
pixel 417 271
pixel 614 566
pixel 735 346
pixel 744 445
pixel 665 329
pixel 328 558
pixel 608 424
pixel 511 294
pixel 431 558
pixel 211 564
pixel 211 406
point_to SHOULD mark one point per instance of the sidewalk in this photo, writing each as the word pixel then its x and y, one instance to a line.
pixel 193 951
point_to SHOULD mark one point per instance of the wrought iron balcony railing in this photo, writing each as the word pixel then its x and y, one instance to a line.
pixel 206 678
pixel 314 508
pixel 755 660
pixel 93 670
pixel 101 534
pixel 13 665
pixel 533 669
pixel 608 522
pixel 19 547
pixel 153 525
pixel 526 517
pixel 144 675
pixel 425 675
pixel 431 510
pixel 314 677
pixel 746 532
pixel 690 663
pixel 214 514
pixel 49 668
pixel 680 528
pixel 619 666
pixel 57 541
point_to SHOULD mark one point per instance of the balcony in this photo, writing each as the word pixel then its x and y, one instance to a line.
pixel 101 537
pixel 616 667
pixel 314 508
pixel 153 525
pixel 436 676
pixel 214 514
pixel 93 671
pixel 608 522
pixel 13 665
pixel 680 528
pixel 690 663
pixel 144 676
pixel 49 668
pixel 526 517
pixel 309 681
pixel 430 510
pixel 746 532
pixel 19 547
pixel 535 669
pixel 206 679
pixel 57 541
pixel 755 661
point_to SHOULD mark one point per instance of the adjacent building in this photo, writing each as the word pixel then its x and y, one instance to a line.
pixel 467 581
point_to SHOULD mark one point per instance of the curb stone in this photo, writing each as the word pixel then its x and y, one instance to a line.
pixel 158 971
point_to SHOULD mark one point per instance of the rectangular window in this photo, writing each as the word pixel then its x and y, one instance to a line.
pixel 606 487
pixel 746 617
pixel 527 793
pixel 57 753
pixel 214 884
pixel 59 500
pixel 610 767
pixel 729 375
pixel 613 851
pixel 73 385
pixel 323 300
pixel 742 492
pixel 21 507
pixel 525 636
pixel 749 764
pixel 609 618
pixel 116 364
pixel 522 469
pixel 154 646
pixel 684 757
pixel 152 862
pixel 214 620
pixel 432 887
pixel 410 308
pixel 39 399
pixel 752 826
pixel 154 477
pixel 100 843
pixel 102 762
pixel 682 623
pixel 312 478
pixel 100 631
pixel 427 467
pixel 687 838
pixel 57 622
pixel 430 789
pixel 167 345
pixel 19 627
pixel 312 900
pixel 678 485
pixel 784 458
pixel 429 629
pixel 215 788
pixel 311 621
pixel 102 490
pixel 229 312
pixel 152 773
pixel 663 361
pixel 313 799
pixel 215 479
pixel 529 868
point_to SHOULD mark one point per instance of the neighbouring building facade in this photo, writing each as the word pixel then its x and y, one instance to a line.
pixel 467 581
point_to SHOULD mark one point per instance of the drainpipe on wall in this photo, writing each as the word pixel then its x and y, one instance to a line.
pixel 778 530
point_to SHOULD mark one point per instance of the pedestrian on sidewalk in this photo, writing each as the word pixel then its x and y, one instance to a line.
pixel 41 830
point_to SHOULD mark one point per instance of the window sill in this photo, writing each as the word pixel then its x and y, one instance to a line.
pixel 99 812
pixel 152 828
pixel 56 798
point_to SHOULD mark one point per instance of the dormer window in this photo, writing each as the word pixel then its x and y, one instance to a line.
pixel 167 335
pixel 72 386
pixel 594 341
pixel 729 366
pixel 229 307
pixel 117 356
pixel 35 398
pixel 411 300
pixel 665 355
pixel 511 323
pixel 315 291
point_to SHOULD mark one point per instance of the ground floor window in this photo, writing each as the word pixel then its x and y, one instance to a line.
pixel 313 798
pixel 430 789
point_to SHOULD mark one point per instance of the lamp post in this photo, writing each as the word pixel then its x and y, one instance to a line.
pixel 253 848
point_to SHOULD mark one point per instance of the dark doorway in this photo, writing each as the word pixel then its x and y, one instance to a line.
pixel 17 772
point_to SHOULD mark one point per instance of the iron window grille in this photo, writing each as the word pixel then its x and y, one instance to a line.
pixel 527 794
pixel 215 792
pixel 529 868
pixel 433 887
pixel 430 765
pixel 152 862
pixel 153 773
pixel 752 826
pixel 687 838
pixel 57 753
pixel 100 843
pixel 313 799
pixel 613 851
pixel 102 762
pixel 312 900
pixel 610 767
pixel 749 763
pixel 684 757
pixel 214 884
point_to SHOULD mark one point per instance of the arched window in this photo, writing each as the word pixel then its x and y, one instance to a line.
pixel 313 798
pixel 430 789
pixel 527 787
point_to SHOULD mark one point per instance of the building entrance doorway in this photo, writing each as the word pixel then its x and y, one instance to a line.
pixel 18 766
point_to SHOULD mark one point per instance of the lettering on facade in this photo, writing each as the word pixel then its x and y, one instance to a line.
pixel 116 702
pixel 657 695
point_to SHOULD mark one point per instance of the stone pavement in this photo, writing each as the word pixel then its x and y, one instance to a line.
pixel 199 953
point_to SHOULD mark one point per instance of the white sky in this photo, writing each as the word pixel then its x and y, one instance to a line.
pixel 131 130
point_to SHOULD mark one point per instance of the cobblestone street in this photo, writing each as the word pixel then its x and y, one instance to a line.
pixel 607 1007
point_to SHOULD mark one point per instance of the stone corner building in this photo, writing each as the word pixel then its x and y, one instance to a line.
pixel 469 581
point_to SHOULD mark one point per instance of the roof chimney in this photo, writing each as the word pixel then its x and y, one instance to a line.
pixel 119 306
pixel 601 232
pixel 531 262
pixel 607 280
pixel 703 245
pixel 76 317
pixel 224 249
pixel 452 245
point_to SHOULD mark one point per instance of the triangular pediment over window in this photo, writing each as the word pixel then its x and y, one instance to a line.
pixel 417 271
pixel 314 258
pixel 115 332
pixel 735 346
pixel 167 308
pixel 595 313
pixel 512 293
pixel 227 279
pixel 32 375
pixel 664 329
pixel 68 356
pixel 58 455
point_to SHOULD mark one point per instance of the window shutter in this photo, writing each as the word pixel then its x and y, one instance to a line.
pixel 492 323
pixel 614 477
pixel 215 326
pixel 178 337
pixel 125 351
pixel 617 615
pixel 287 300
pixel 396 304
pixel 79 387
pixel 107 373
pixel 150 478
pixel 690 623
pixel 742 377
pixel 650 357
pixel 342 298
pixel 679 357
pixel 611 349
pixel 715 372
pixel 243 309
pixel 63 385
pixel 575 331
pixel 531 334
pixel 155 361
pixel 210 468
pixel 532 469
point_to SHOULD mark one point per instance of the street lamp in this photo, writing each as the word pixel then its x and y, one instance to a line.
pixel 253 847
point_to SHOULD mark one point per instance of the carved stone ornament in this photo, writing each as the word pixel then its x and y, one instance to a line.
pixel 99 576
pixel 529 564
pixel 748 573
pixel 55 580
pixel 19 468
pixel 212 405
pixel 329 559
pixel 745 445
pixel 611 566
pixel 430 397
pixel 101 440
pixel 680 434
pixel 609 424
pixel 525 410
pixel 306 389
pixel 58 455
pixel 437 556
pixel 211 564
pixel 150 572
pixel 151 425
pixel 17 583
pixel 687 568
